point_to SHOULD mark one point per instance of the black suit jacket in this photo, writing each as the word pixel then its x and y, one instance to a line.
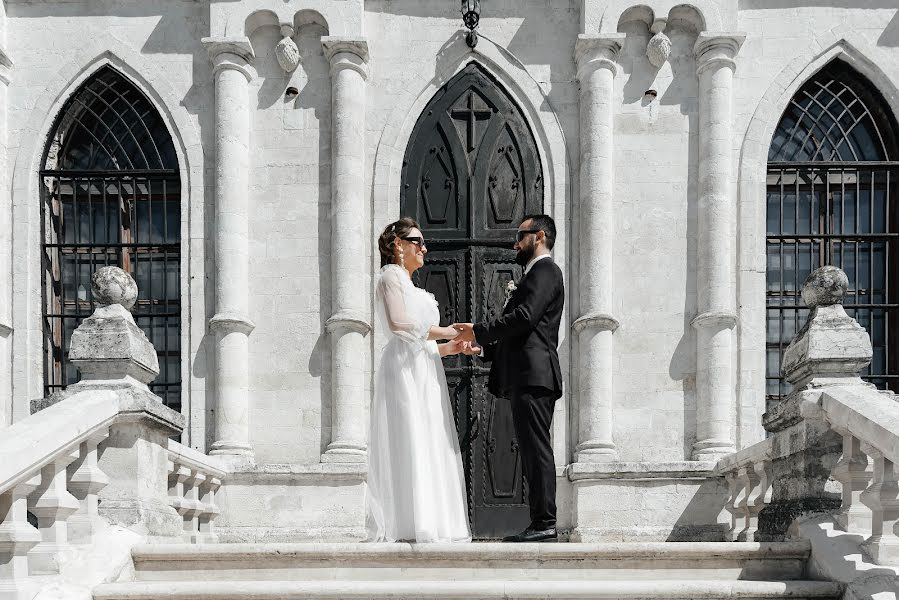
pixel 522 343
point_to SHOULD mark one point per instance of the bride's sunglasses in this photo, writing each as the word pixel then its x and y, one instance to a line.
pixel 420 242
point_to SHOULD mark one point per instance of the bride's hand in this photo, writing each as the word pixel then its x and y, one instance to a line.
pixel 451 348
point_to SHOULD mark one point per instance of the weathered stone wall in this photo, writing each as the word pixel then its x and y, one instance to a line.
pixel 414 47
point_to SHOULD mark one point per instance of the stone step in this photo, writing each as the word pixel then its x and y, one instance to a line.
pixel 686 561
pixel 457 590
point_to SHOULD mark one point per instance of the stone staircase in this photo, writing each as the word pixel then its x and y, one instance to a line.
pixel 479 570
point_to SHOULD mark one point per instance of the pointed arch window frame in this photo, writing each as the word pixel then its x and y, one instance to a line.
pixel 98 213
pixel 814 204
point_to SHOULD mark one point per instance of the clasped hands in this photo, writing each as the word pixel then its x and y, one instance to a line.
pixel 462 340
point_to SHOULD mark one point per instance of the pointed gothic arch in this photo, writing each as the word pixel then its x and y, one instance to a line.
pixel 471 172
pixel 833 169
pixel 110 191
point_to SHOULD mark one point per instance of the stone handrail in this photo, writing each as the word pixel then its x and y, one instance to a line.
pixel 99 453
pixel 32 443
pixel 832 427
pixel 193 483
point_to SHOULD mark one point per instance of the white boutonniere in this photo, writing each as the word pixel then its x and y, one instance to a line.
pixel 511 286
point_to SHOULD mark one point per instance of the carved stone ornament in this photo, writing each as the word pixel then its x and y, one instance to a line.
pixel 286 51
pixel 659 48
pixel 112 285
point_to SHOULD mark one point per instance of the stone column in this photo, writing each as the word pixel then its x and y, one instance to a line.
pixel 596 68
pixel 6 409
pixel 231 323
pixel 349 323
pixel 716 289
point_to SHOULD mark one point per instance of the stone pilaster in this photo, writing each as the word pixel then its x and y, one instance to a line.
pixel 596 58
pixel 716 291
pixel 349 323
pixel 231 323
pixel 5 255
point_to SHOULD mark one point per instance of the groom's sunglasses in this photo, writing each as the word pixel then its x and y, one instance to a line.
pixel 420 242
pixel 524 232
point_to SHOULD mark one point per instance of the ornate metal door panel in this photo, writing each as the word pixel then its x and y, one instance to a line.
pixel 470 173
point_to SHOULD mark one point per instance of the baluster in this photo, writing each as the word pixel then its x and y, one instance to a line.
pixel 734 487
pixel 52 504
pixel 17 537
pixel 882 497
pixel 854 472
pixel 192 505
pixel 748 481
pixel 85 481
pixel 210 510
pixel 759 497
pixel 177 476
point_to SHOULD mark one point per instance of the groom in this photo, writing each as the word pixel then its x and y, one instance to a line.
pixel 521 345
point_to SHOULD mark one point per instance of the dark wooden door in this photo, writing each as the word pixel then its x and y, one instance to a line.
pixel 471 172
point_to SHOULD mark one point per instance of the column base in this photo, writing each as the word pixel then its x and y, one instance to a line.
pixel 344 454
pixel 713 450
pixel 222 448
pixel 593 454
pixel 596 451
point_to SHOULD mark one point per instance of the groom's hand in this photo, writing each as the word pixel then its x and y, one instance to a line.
pixel 466 331
pixel 471 349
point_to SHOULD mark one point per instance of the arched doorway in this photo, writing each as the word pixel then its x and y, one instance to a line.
pixel 833 170
pixel 470 173
pixel 111 195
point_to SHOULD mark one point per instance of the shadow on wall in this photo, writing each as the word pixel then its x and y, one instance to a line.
pixel 702 520
pixel 889 37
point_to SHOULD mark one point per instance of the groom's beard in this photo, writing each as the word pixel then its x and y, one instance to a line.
pixel 524 256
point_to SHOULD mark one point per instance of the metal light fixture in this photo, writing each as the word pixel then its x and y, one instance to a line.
pixel 471 15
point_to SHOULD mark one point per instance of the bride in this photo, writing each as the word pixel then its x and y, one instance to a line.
pixel 416 491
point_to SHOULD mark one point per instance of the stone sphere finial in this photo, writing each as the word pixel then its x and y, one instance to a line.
pixel 112 285
pixel 825 287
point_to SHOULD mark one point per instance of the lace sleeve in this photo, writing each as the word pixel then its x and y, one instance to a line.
pixel 399 320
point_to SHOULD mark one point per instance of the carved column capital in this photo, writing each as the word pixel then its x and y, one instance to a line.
pixel 346 53
pixel 717 49
pixel 593 52
pixel 234 53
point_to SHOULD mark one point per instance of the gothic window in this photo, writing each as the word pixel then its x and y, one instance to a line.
pixel 111 195
pixel 833 167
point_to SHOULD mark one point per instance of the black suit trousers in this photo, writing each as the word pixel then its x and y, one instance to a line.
pixel 532 415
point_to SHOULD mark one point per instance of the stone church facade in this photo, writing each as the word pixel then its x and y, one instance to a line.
pixel 239 158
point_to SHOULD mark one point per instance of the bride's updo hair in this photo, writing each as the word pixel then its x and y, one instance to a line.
pixel 387 239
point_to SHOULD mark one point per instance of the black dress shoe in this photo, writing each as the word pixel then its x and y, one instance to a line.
pixel 534 535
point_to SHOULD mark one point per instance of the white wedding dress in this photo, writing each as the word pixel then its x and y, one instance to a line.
pixel 416 490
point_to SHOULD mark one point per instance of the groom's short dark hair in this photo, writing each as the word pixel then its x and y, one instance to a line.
pixel 546 224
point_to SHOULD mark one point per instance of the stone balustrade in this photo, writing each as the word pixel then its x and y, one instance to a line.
pixel 193 483
pixel 749 485
pixel 99 453
pixel 833 427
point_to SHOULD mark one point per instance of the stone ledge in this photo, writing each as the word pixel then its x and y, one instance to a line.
pixel 314 473
pixel 423 553
pixel 688 469
pixel 284 590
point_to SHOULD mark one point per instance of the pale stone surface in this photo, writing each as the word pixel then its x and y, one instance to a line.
pixel 285 400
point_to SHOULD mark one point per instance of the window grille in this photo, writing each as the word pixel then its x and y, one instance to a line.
pixel 111 195
pixel 831 187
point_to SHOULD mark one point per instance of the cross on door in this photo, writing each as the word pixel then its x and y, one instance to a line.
pixel 471 115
